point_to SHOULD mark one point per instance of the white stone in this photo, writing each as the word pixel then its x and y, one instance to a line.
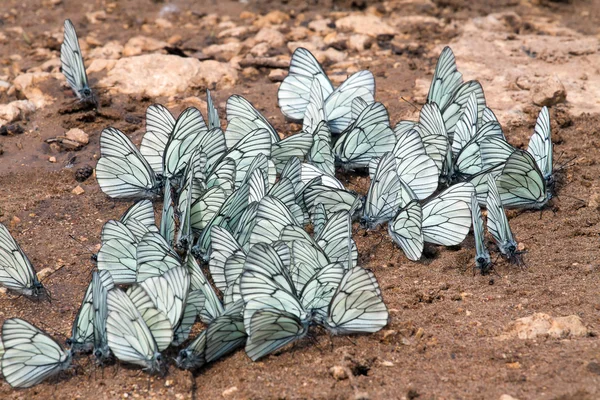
pixel 15 111
pixel 110 51
pixel 366 24
pixel 27 83
pixel 142 44
pixel 166 75
pixel 540 324
pixel 78 136
pixel 271 36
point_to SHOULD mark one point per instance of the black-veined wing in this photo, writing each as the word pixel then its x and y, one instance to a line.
pixel 82 332
pixel 369 136
pixel 226 333
pixel 319 290
pixel 30 355
pixel 540 145
pixel 159 126
pixel 16 271
pixel 269 330
pixel 167 220
pixel 433 134
pixel 310 172
pixel 446 79
pixel 141 212
pixel 223 247
pixel 336 236
pixel 122 171
pixel 72 66
pixel 306 260
pixel 333 200
pixel 466 127
pixel 447 217
pixel 242 119
pixel 222 176
pixel 294 92
pixel 154 257
pixel 297 145
pixel 102 282
pixel 405 230
pixel 129 337
pixel 357 306
pixel 497 222
pixel 385 194
pixel 255 143
pixel 205 207
pixel 338 105
pixel 483 261
pixel 521 183
pixel 212 113
pixel 188 133
pixel 212 304
pixel 271 217
pixel 321 152
pixel 169 293
pixel 118 252
pixel 315 110
pixel 454 109
pixel 156 320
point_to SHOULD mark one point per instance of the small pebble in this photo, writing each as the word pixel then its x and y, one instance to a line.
pixel 78 190
pixel 338 372
pixel 52 159
pixel 230 391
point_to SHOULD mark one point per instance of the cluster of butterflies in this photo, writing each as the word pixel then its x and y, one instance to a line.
pixel 236 204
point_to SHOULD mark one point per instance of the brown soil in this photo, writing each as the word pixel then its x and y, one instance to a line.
pixel 444 318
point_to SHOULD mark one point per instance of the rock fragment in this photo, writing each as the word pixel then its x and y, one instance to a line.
pixel 366 24
pixel 543 325
pixel 277 75
pixel 549 92
pixel 338 372
pixel 167 75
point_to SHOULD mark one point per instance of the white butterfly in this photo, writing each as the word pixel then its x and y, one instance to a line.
pixel 367 137
pixel 483 261
pixel 444 220
pixel 122 171
pixel 498 223
pixel 30 355
pixel 16 271
pixel 129 336
pixel 72 66
pixel 294 92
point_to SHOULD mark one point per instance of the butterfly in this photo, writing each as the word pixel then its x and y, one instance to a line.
pixel 101 283
pixel 367 137
pixel 244 119
pixel 72 66
pixel 540 147
pixel 30 355
pixel 122 171
pixel 498 223
pixel 387 193
pixel 451 94
pixel 133 338
pixel 16 271
pixel 444 220
pixel 356 306
pixel 521 183
pixel 223 335
pixel 294 92
pixel 483 261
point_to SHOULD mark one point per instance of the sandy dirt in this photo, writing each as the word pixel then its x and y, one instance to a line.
pixel 441 340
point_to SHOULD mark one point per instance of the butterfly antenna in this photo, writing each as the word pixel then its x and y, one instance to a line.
pixel 88 249
pixel 409 102
pixel 350 340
